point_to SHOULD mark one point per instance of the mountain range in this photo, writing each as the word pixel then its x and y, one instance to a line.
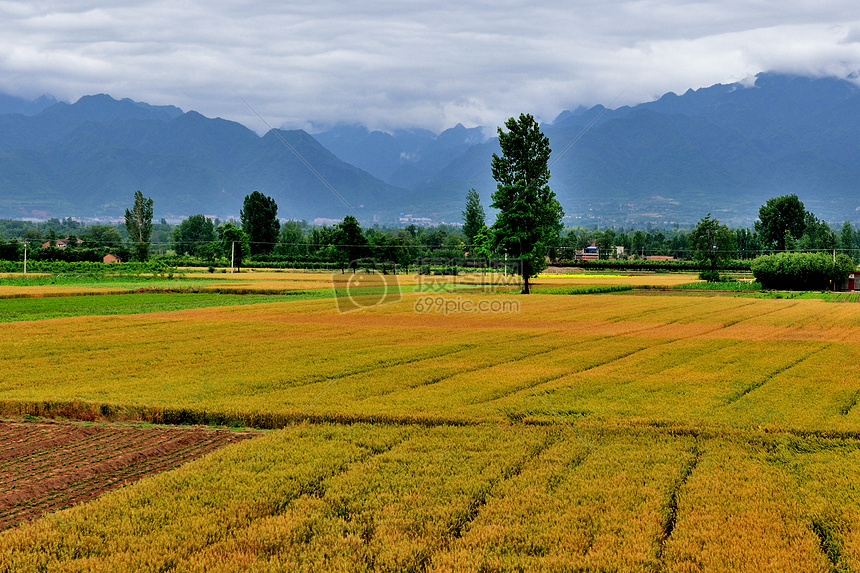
pixel 723 150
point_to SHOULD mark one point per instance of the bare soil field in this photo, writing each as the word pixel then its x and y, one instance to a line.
pixel 46 466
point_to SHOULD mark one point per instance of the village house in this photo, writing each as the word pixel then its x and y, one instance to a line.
pixel 60 243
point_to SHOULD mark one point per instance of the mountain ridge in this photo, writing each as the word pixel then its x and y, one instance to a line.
pixel 723 149
pixel 86 159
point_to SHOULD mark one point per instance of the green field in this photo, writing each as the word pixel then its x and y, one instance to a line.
pixel 596 432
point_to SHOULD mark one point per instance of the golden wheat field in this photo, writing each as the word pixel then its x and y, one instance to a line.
pixel 462 431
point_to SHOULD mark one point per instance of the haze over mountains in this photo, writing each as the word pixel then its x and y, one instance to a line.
pixel 723 149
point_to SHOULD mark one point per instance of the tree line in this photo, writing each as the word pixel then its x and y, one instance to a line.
pixel 528 229
pixel 202 238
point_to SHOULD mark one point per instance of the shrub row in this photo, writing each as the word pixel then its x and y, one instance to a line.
pixel 82 267
pixel 646 265
pixel 15 252
pixel 802 271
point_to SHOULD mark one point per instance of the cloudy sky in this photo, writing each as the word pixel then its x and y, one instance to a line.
pixel 401 63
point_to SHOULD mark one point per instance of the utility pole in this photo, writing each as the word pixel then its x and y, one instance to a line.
pixel 232 254
pixel 25 257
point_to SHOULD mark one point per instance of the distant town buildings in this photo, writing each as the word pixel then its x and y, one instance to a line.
pixel 409 219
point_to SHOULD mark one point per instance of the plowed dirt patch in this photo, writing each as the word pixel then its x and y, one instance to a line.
pixel 47 466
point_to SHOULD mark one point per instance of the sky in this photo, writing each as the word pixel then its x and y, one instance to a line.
pixel 392 64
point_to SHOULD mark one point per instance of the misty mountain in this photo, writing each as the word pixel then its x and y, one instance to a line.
pixel 405 158
pixel 87 159
pixel 723 149
pixel 12 104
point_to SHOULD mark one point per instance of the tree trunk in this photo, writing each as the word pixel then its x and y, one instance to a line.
pixel 525 284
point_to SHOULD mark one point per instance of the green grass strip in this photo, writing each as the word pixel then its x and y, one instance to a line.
pixel 597 289
pixel 722 285
pixel 23 309
pixel 129 282
pixel 825 296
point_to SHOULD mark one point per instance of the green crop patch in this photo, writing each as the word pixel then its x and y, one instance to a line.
pixel 31 308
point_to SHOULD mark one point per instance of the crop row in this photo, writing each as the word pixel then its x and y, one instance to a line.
pixel 51 443
pixel 477 498
pixel 90 460
pixel 92 485
pixel 91 452
pixel 14 436
pixel 728 361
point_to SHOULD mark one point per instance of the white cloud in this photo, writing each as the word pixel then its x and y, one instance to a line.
pixel 410 64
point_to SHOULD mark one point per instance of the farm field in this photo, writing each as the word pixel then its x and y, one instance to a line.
pixel 50 466
pixel 590 432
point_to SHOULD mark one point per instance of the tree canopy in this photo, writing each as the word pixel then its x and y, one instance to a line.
pixel 802 271
pixel 102 236
pixel 351 242
pixel 713 245
pixel 473 217
pixel 782 221
pixel 529 218
pixel 234 242
pixel 138 222
pixel 259 217
pixel 193 235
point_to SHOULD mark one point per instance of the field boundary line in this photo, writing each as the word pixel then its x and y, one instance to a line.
pixel 849 404
pixel 734 342
pixel 477 502
pixel 670 518
pixel 545 400
pixel 756 385
pixel 82 411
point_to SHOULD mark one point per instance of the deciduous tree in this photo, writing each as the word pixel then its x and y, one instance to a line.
pixel 234 242
pixel 529 218
pixel 138 222
pixel 291 239
pixel 259 217
pixel 192 234
pixel 777 218
pixel 102 236
pixel 713 244
pixel 351 242
pixel 473 217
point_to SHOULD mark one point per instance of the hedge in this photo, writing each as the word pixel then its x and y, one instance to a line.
pixel 802 271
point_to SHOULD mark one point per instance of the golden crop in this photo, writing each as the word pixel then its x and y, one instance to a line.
pixel 591 432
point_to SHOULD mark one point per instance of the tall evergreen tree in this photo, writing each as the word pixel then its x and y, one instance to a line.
pixel 529 216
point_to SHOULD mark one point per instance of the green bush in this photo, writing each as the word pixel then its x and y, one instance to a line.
pixel 710 275
pixel 801 271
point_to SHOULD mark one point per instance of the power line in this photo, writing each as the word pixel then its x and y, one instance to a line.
pixel 299 155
